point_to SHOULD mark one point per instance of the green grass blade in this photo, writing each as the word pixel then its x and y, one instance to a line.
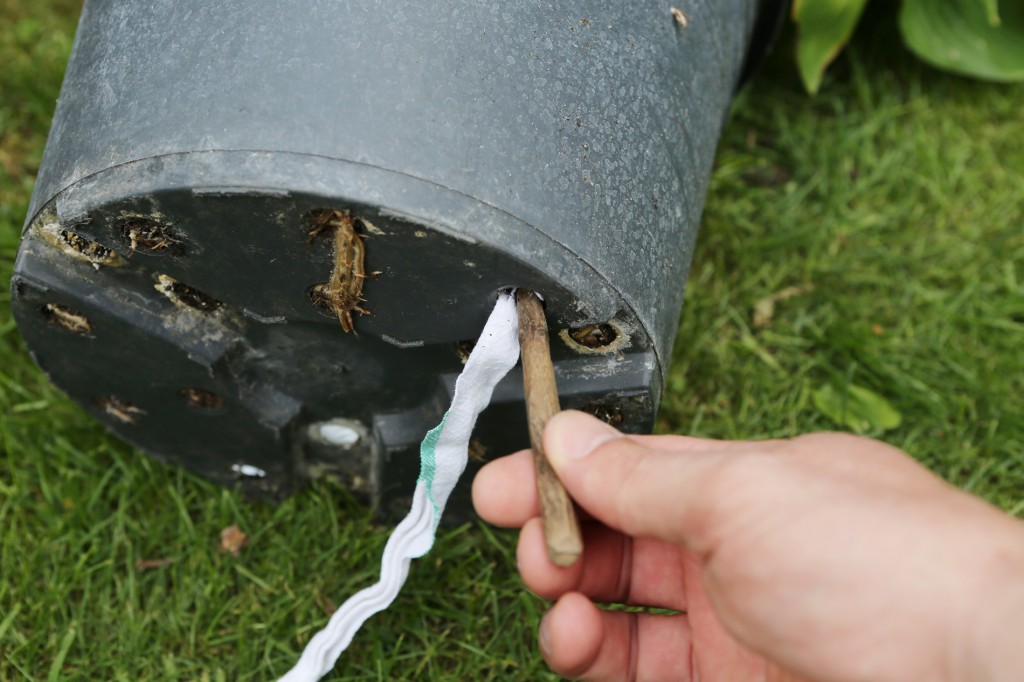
pixel 8 621
pixel 57 667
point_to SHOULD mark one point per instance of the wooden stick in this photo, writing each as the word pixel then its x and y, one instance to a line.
pixel 558 516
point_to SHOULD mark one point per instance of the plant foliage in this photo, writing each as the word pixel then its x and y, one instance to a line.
pixel 978 38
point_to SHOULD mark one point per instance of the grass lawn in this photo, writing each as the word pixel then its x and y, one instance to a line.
pixel 892 202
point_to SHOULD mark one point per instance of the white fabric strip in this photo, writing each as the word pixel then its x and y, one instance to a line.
pixel 443 456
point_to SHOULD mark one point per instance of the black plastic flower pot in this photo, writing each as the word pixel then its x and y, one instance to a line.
pixel 265 234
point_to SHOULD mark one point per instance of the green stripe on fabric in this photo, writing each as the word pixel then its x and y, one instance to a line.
pixel 428 463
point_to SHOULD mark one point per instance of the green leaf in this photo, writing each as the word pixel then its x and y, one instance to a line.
pixel 992 12
pixel 971 37
pixel 854 406
pixel 825 26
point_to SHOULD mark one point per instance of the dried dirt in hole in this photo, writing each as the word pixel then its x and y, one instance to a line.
pixel 148 235
pixel 78 247
pixel 67 318
pixel 184 296
pixel 121 410
pixel 343 293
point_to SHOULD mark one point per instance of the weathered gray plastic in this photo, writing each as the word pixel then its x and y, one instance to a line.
pixel 564 146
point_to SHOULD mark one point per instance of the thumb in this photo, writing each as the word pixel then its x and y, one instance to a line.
pixel 636 488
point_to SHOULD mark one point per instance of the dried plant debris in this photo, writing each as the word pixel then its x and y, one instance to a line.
pixel 477 450
pixel 679 17
pixel 233 540
pixel 609 414
pixel 78 247
pixel 121 410
pixel 146 564
pixel 67 318
pixel 343 293
pixel 764 309
pixel 464 348
pixel 201 399
pixel 150 236
pixel 184 296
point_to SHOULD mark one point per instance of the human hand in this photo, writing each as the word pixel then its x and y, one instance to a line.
pixel 827 557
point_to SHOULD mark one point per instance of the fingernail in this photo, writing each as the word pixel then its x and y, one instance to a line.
pixel 543 637
pixel 573 435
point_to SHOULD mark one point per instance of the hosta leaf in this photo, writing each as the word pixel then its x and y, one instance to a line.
pixel 992 11
pixel 960 36
pixel 825 26
pixel 856 407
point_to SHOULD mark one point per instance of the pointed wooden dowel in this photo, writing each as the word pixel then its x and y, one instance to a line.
pixel 558 516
